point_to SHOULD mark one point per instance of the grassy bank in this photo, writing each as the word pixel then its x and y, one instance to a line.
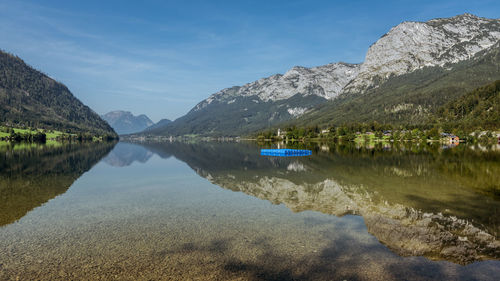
pixel 37 135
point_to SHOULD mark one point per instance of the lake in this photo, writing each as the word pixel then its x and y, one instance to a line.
pixel 220 210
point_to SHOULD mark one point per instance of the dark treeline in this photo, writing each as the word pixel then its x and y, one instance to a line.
pixel 478 108
pixel 38 137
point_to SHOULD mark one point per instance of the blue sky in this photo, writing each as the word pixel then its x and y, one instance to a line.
pixel 162 57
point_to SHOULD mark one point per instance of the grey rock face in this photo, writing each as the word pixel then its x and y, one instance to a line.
pixel 413 45
pixel 325 81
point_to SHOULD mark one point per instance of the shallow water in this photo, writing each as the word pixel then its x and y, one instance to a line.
pixel 221 211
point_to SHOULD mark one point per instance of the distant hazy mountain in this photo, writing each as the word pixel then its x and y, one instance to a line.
pixel 31 98
pixel 124 122
pixel 407 74
pixel 159 124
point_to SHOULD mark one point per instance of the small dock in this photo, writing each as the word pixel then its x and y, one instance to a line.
pixel 285 152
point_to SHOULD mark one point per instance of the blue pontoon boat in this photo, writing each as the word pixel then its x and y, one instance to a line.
pixel 285 152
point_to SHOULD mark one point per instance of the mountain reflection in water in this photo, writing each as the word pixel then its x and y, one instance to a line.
pixel 124 154
pixel 417 200
pixel 31 176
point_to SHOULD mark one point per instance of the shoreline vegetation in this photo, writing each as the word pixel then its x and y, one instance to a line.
pixel 379 133
pixel 370 141
pixel 32 135
pixel 357 133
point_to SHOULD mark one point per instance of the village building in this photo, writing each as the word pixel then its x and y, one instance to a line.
pixel 450 138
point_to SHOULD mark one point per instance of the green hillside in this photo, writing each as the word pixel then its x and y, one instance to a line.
pixel 477 109
pixel 29 98
pixel 243 116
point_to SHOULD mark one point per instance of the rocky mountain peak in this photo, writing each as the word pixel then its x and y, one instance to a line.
pixel 413 45
pixel 296 70
pixel 462 17
pixel 325 81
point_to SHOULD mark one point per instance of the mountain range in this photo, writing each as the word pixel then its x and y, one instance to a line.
pixel 407 75
pixel 412 98
pixel 29 98
pixel 412 75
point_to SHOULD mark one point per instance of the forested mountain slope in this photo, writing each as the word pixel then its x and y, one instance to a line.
pixel 30 98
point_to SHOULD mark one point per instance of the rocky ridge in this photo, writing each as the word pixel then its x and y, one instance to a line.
pixel 325 81
pixel 413 45
pixel 405 48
